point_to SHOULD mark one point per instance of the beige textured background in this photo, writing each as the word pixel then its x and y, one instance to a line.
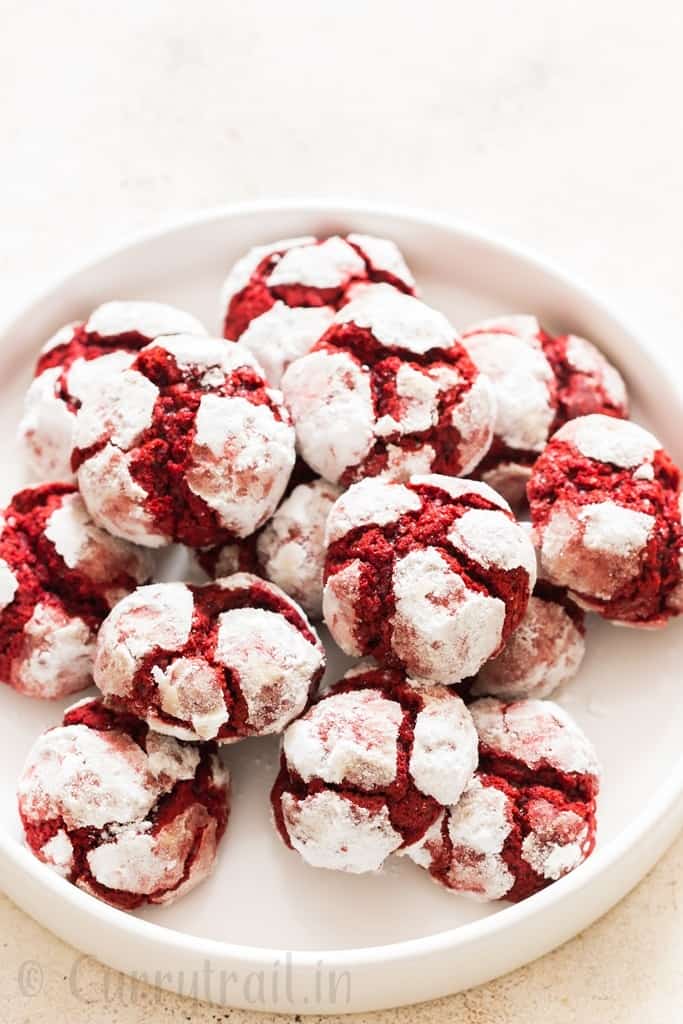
pixel 555 123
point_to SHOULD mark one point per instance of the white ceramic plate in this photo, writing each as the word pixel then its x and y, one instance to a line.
pixel 266 931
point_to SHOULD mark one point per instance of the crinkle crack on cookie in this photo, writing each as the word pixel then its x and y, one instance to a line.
pixel 606 510
pixel 223 661
pixel 128 815
pixel 369 768
pixel 431 576
pixel 77 361
pixel 389 390
pixel 527 817
pixel 189 444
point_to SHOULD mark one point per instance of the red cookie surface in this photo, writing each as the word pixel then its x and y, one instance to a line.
pixel 606 510
pixel 189 444
pixel 369 767
pixel 432 576
pixel 59 576
pixel 223 661
pixel 79 359
pixel 389 389
pixel 280 298
pixel 540 382
pixel 128 815
pixel 528 816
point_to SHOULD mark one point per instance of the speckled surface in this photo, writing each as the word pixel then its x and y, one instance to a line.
pixel 555 125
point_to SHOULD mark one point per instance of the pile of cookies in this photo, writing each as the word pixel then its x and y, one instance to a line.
pixel 450 504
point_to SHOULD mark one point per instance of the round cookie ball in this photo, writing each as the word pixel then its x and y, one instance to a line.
pixel 222 661
pixel 543 653
pixel 527 817
pixel 605 505
pixel 59 576
pixel 369 767
pixel 432 576
pixel 280 298
pixel 540 382
pixel 291 547
pixel 77 361
pixel 128 815
pixel 389 390
pixel 189 444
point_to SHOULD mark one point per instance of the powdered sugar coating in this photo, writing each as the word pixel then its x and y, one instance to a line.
pixel 528 816
pixel 544 652
pixel 330 400
pixel 477 827
pixel 148 319
pixel 384 255
pixel 534 732
pixel 94 784
pixel 607 439
pixel 389 752
pixel 327 265
pixel 291 547
pixel 283 334
pixel 388 388
pixel 228 659
pixel 369 502
pixel 399 321
pixel 59 576
pixel 585 358
pixel 76 362
pixel 350 738
pixel 239 276
pixel 440 627
pixel 431 618
pixel 331 831
pixel 231 440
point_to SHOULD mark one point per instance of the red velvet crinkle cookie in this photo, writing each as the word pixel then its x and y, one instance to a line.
pixel 188 444
pixel 291 547
pixel 223 661
pixel 280 298
pixel 59 576
pixel 606 509
pixel 540 383
pixel 128 815
pixel 528 816
pixel 369 768
pixel 432 576
pixel 543 653
pixel 389 389
pixel 77 361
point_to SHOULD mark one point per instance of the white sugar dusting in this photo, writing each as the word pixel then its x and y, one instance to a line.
pixel 56 656
pixel 291 547
pixel 242 271
pixel 330 831
pixel 9 584
pixel 371 501
pixel 340 599
pixel 156 616
pixel 523 383
pixel 607 439
pixel 535 732
pixel 327 265
pixel 46 431
pixel 272 662
pixel 347 739
pixel 383 255
pixel 444 753
pixel 191 690
pixel 458 488
pixel 399 321
pixel 330 399
pixel 495 541
pixel 441 630
pixel 283 334
pixel 241 459
pixel 148 319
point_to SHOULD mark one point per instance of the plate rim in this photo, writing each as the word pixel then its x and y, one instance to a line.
pixel 657 810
